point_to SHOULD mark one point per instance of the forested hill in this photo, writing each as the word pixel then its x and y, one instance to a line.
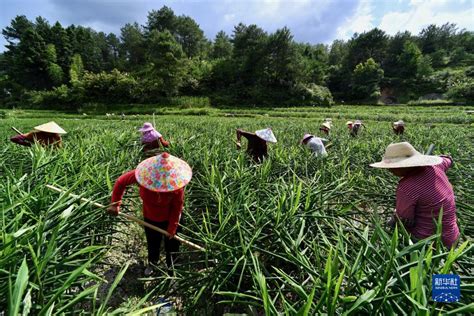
pixel 46 65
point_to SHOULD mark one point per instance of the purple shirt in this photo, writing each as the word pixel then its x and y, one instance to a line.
pixel 420 198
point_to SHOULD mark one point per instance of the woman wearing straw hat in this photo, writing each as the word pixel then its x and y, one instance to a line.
pixel 257 142
pixel 325 127
pixel 315 144
pixel 151 138
pixel 161 180
pixel 45 134
pixel 398 127
pixel 354 127
pixel 422 191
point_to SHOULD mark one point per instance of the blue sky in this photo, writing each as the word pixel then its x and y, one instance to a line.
pixel 313 21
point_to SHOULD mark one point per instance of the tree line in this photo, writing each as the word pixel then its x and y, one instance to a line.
pixel 169 56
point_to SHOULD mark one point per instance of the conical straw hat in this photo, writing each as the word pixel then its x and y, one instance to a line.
pixel 327 125
pixel 163 173
pixel 399 123
pixel 266 135
pixel 404 155
pixel 50 127
pixel 349 123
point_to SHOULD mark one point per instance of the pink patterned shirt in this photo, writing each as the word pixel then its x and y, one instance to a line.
pixel 420 198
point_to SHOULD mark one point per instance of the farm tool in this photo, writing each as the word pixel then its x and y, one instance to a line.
pixel 132 218
pixel 17 131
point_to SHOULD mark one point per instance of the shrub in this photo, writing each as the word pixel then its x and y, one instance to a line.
pixel 462 90
pixel 314 95
pixel 110 87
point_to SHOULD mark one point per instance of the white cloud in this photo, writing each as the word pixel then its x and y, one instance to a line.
pixel 423 13
pixel 361 21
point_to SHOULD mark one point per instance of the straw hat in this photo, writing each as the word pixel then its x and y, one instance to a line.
pixel 163 173
pixel 349 123
pixel 404 155
pixel 327 125
pixel 50 127
pixel 399 123
pixel 266 135
pixel 305 137
pixel 146 127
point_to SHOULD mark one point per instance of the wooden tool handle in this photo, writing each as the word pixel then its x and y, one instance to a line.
pixel 132 218
pixel 17 131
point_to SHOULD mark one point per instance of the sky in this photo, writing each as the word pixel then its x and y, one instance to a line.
pixel 312 21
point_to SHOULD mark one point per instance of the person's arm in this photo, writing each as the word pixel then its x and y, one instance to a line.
pixel 121 184
pixel 164 142
pixel 177 204
pixel 446 163
pixel 239 138
pixel 23 139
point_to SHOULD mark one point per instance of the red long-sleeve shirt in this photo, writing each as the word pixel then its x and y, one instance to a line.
pixel 43 138
pixel 157 206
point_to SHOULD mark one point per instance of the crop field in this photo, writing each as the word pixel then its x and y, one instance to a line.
pixel 294 235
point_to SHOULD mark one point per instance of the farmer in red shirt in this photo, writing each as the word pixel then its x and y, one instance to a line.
pixel 422 191
pixel 257 142
pixel 45 134
pixel 161 180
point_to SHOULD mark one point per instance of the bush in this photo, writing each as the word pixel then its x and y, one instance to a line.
pixel 462 90
pixel 59 97
pixel 314 95
pixel 109 87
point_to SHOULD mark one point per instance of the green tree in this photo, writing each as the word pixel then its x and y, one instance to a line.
pixel 55 72
pixel 371 44
pixel 222 46
pixel 77 69
pixel 60 40
pixel 167 62
pixel 161 20
pixel 132 46
pixel 366 80
pixel 190 36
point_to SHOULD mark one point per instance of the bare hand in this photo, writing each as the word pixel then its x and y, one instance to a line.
pixel 113 210
pixel 239 145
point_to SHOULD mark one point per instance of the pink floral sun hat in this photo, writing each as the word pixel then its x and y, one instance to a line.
pixel 163 173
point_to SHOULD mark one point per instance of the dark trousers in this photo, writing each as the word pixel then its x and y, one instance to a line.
pixel 153 239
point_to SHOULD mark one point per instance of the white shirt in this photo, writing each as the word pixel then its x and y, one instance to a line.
pixel 316 145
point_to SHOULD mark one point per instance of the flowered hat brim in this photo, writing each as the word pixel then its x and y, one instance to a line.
pixel 163 174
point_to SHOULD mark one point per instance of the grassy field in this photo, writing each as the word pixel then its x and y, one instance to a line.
pixel 294 235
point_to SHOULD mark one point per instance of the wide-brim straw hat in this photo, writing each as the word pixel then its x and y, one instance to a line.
pixel 399 123
pixel 404 155
pixel 50 127
pixel 327 125
pixel 267 135
pixel 163 173
pixel 349 123
pixel 146 127
pixel 305 137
